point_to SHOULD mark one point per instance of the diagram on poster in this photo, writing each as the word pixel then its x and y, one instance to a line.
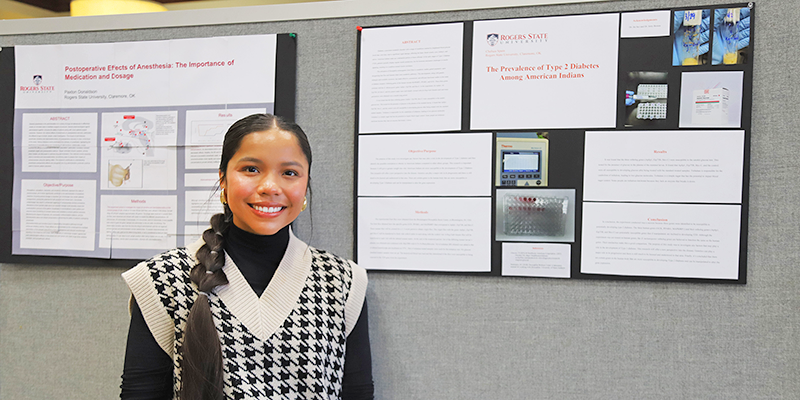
pixel 139 150
pixel 205 130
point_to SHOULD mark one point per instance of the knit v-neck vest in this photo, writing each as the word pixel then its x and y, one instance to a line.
pixel 287 344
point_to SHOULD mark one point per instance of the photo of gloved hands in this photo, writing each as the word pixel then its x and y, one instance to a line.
pixel 731 36
pixel 692 33
pixel 729 41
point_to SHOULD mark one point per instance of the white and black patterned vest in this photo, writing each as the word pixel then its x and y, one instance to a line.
pixel 295 353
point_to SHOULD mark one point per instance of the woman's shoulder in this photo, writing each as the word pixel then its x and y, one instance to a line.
pixel 326 257
pixel 299 250
pixel 175 261
pixel 330 261
pixel 353 275
pixel 179 255
pixel 161 277
pixel 323 260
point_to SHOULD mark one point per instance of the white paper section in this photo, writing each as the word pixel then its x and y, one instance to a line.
pixel 138 222
pixel 201 179
pixel 411 78
pixel 425 234
pixel 220 70
pixel 425 165
pixel 201 205
pixel 694 113
pixel 665 240
pixel 139 151
pixel 553 72
pixel 664 166
pixel 205 131
pixel 646 24
pixel 59 142
pixel 57 214
pixel 547 260
pixel 193 233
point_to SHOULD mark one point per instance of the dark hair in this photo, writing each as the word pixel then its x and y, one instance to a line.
pixel 201 376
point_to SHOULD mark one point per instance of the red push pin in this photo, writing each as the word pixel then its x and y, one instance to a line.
pixel 359 28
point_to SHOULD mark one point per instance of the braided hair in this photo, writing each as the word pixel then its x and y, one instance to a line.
pixel 201 376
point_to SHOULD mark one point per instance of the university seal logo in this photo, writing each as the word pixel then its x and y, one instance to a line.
pixel 492 39
pixel 37 87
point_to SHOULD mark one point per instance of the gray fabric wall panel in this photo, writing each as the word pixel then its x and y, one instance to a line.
pixel 440 336
pixel 63 332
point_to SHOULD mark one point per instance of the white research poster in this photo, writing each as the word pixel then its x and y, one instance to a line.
pixel 551 72
pixel 111 123
pixel 575 84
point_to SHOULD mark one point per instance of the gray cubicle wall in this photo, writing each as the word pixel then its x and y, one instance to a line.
pixel 464 337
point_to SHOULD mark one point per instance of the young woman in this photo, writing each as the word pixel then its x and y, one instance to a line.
pixel 250 311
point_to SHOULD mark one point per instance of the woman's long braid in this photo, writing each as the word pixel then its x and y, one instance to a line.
pixel 207 274
pixel 201 375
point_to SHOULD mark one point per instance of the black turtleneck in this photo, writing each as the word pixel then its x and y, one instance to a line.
pixel 148 369
pixel 256 256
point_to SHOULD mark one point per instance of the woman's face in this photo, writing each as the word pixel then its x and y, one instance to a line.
pixel 266 181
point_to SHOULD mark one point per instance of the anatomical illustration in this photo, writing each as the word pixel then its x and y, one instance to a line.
pixel 133 133
pixel 139 150
pixel 124 174
pixel 118 174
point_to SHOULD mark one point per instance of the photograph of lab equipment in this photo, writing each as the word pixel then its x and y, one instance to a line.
pixel 731 42
pixel 522 161
pixel 529 214
pixel 535 214
pixel 710 106
pixel 690 36
pixel 711 99
pixel 645 98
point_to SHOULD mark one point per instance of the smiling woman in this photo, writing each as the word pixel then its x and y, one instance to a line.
pixel 250 311
pixel 266 181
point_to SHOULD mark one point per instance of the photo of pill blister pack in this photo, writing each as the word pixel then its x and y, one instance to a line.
pixel 529 214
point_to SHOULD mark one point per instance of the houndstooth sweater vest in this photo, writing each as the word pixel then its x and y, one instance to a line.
pixel 287 344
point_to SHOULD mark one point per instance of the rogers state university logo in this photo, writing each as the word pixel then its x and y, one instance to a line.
pixel 37 86
pixel 492 39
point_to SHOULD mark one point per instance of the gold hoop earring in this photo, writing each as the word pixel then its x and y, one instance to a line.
pixel 305 204
pixel 222 198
